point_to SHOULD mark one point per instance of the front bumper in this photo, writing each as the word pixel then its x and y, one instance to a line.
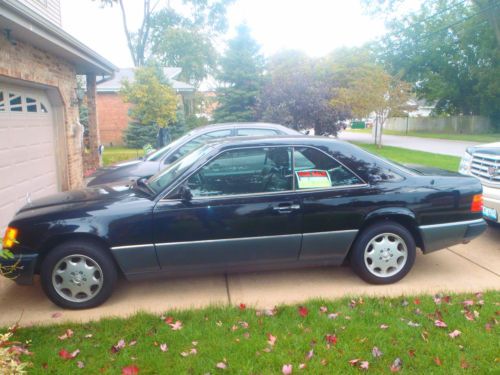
pixel 439 236
pixel 491 200
pixel 24 268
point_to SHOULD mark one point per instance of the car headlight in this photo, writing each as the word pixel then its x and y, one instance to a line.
pixel 465 163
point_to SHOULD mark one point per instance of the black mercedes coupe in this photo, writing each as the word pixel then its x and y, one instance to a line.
pixel 242 204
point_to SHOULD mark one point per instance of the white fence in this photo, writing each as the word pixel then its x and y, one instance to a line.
pixel 452 124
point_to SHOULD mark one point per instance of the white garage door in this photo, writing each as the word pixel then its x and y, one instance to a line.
pixel 27 148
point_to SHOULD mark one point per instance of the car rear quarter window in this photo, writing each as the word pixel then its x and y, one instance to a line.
pixel 314 170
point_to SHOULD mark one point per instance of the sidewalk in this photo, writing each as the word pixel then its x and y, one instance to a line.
pixel 437 146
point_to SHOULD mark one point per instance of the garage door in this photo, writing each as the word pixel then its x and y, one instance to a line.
pixel 27 149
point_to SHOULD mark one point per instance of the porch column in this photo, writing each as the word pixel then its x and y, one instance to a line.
pixel 94 141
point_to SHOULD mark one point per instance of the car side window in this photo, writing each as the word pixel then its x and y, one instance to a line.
pixel 255 132
pixel 314 170
pixel 244 171
pixel 190 145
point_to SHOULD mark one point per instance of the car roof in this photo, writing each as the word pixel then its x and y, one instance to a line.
pixel 230 125
pixel 230 142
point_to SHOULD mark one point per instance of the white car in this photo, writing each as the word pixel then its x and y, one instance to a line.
pixel 483 162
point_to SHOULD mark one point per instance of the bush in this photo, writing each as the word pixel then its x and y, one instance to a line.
pixel 137 135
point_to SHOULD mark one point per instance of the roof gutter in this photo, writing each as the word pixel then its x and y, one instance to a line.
pixel 26 18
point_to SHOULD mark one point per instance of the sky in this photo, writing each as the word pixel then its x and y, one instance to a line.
pixel 316 27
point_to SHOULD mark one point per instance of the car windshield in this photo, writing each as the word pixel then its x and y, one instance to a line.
pixel 164 178
pixel 158 154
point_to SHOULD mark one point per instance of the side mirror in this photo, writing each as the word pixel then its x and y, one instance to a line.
pixel 185 193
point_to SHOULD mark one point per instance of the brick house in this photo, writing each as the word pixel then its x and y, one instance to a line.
pixel 112 111
pixel 40 135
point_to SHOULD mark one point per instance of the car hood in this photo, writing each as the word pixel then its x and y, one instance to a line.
pixel 488 148
pixel 100 193
pixel 123 172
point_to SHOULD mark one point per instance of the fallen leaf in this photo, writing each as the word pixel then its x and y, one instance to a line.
pixel 454 334
pixel 464 364
pixel 176 326
pixel 331 339
pixel 303 311
pixel 194 343
pixel 163 347
pixel 64 354
pixel 287 369
pixel 404 303
pixel 411 353
pixel 302 366
pixel 413 324
pixel 193 351
pixel 425 336
pixel 416 301
pixel 271 340
pixel 221 365
pixel 333 316
pixel 437 300
pixel 447 299
pixel 132 343
pixel 310 354
pixel 468 302
pixel 244 325
pixel 88 336
pixel 437 361
pixel 243 306
pixel 469 316
pixel 80 364
pixel 364 365
pixel 487 327
pixel 440 324
pixel 168 319
pixel 66 335
pixel 130 370
pixel 396 365
pixel 384 326
pixel 56 315
pixel 354 362
pixel 376 352
pixel 323 309
pixel 119 346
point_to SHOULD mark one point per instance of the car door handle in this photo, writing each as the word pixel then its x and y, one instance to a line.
pixel 286 208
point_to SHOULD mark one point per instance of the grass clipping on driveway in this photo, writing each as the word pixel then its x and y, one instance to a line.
pixel 441 334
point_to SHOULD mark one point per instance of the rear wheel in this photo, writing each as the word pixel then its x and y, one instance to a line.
pixel 78 275
pixel 383 253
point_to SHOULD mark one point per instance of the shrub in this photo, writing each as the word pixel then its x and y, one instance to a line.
pixel 137 135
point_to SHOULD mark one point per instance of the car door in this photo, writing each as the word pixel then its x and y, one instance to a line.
pixel 332 205
pixel 243 211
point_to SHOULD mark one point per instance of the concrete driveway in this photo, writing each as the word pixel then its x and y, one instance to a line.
pixel 436 146
pixel 464 268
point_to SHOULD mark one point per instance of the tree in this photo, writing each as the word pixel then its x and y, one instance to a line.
pixel 368 88
pixel 154 103
pixel 241 75
pixel 451 56
pixel 189 49
pixel 202 15
pixel 297 93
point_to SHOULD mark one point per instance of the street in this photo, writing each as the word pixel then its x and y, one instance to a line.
pixel 463 268
pixel 437 146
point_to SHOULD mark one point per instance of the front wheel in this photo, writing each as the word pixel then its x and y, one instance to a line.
pixel 383 253
pixel 78 275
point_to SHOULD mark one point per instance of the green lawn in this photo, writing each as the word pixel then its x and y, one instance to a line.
pixel 482 138
pixel 323 336
pixel 405 156
pixel 114 155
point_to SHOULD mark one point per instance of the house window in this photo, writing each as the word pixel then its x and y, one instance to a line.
pixel 2 102
pixel 31 105
pixel 16 104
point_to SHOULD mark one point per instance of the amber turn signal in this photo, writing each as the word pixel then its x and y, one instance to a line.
pixel 10 238
pixel 477 203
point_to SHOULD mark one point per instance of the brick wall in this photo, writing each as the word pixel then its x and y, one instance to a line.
pixel 112 113
pixel 26 62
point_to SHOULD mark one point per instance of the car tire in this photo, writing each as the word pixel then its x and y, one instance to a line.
pixel 78 275
pixel 383 253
